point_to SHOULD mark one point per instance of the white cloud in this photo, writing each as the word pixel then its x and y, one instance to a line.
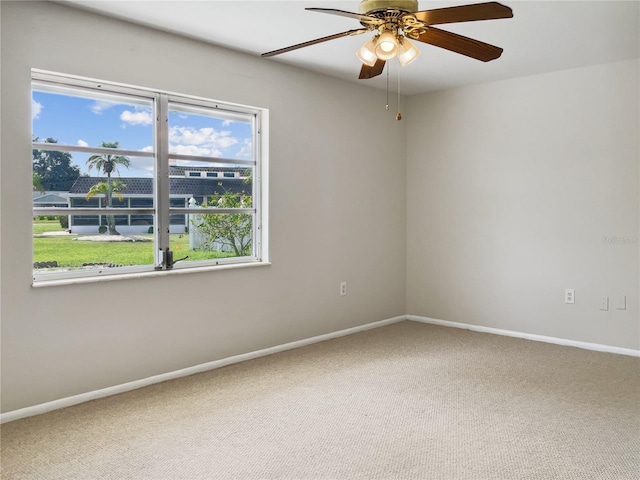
pixel 147 149
pixel 246 151
pixel 194 150
pixel 142 117
pixel 192 136
pixel 209 141
pixel 82 143
pixel 100 106
pixel 226 123
pixel 36 108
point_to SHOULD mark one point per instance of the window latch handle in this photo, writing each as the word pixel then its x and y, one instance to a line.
pixel 169 262
pixel 180 259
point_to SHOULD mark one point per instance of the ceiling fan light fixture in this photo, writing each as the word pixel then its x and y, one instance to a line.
pixel 390 20
pixel 387 46
pixel 367 52
pixel 407 51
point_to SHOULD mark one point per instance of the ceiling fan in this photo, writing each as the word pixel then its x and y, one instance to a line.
pixel 394 22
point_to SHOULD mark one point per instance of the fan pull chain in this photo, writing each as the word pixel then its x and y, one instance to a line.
pixel 388 85
pixel 399 115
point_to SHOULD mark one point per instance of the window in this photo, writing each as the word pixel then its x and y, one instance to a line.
pixel 130 161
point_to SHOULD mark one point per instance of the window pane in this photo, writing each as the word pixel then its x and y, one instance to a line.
pixel 209 133
pixel 126 192
pixel 141 202
pixel 82 220
pixel 217 235
pixel 180 220
pixel 78 252
pixel 146 220
pixel 55 171
pixel 212 236
pixel 119 219
pixel 82 202
pixel 229 179
pixel 75 119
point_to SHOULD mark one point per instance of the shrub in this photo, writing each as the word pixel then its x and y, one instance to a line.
pixel 150 229
pixel 102 228
pixel 64 221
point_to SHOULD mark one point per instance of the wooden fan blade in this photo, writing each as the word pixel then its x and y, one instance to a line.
pixel 459 44
pixel 369 72
pixel 313 42
pixel 363 19
pixel 464 13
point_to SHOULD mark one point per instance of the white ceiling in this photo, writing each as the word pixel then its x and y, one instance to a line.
pixel 543 36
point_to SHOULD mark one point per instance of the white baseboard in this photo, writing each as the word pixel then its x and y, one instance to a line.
pixel 529 336
pixel 125 387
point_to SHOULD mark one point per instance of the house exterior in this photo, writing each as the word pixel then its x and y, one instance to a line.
pixel 185 183
pixel 50 199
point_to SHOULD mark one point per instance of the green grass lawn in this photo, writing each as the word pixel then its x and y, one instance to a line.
pixel 71 253
pixel 42 226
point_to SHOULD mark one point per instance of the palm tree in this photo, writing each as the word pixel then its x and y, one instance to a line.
pixel 108 163
pixel 102 188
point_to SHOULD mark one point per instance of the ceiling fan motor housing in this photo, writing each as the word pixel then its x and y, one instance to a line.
pixel 371 6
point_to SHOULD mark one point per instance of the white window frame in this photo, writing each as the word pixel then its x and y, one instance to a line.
pixel 161 100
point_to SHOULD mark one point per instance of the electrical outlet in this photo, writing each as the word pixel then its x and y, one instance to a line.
pixel 343 288
pixel 569 295
pixel 621 302
pixel 604 304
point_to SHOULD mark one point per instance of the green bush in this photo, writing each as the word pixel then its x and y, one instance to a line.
pixel 150 229
pixel 102 228
pixel 64 221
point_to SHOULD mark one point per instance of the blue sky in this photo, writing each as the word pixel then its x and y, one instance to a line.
pixel 82 121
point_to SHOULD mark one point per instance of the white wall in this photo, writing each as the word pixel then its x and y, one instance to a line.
pixel 512 187
pixel 337 214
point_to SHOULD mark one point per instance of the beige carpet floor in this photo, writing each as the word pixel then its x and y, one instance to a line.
pixel 406 401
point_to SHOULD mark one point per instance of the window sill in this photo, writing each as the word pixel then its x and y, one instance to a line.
pixel 155 273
